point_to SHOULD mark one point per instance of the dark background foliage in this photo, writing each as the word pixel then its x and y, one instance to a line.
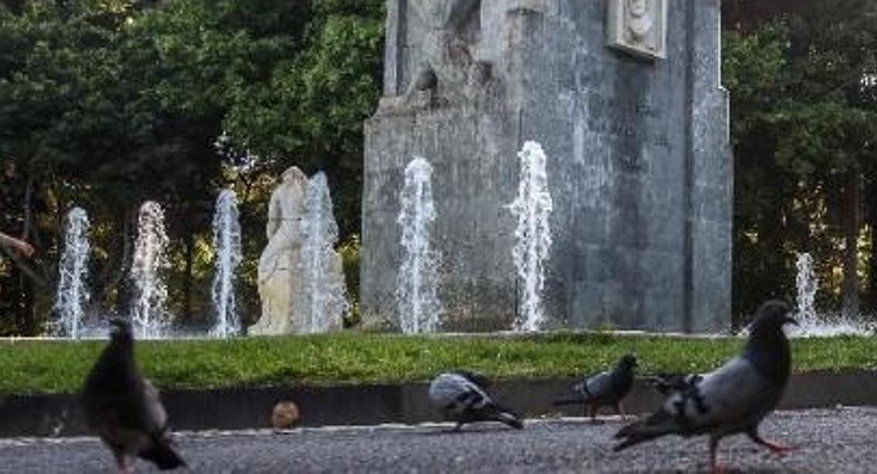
pixel 107 103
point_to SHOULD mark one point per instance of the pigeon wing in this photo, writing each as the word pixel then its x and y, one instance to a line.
pixel 456 393
pixel 593 389
pixel 730 399
pixel 597 387
pixel 153 414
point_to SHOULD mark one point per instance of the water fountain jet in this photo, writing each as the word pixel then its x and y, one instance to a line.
pixel 324 301
pixel 811 323
pixel 148 315
pixel 72 293
pixel 532 208
pixel 227 245
pixel 418 304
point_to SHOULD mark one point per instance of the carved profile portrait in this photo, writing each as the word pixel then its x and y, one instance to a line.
pixel 637 26
pixel 639 19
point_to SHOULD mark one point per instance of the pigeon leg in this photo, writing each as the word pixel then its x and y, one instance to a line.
pixel 124 467
pixel 714 463
pixel 458 427
pixel 122 461
pixel 620 410
pixel 592 412
pixel 774 447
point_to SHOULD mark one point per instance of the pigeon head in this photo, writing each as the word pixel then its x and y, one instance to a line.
pixel 120 330
pixel 767 347
pixel 772 316
pixel 627 362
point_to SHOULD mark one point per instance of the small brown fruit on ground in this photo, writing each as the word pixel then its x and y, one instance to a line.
pixel 285 415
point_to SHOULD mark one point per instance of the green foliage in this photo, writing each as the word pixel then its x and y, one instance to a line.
pixel 47 366
pixel 106 103
pixel 349 251
pixel 802 131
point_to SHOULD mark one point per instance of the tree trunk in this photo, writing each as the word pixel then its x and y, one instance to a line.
pixel 871 216
pixel 119 280
pixel 187 279
pixel 852 224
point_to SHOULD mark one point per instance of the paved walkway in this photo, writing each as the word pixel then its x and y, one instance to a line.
pixel 832 441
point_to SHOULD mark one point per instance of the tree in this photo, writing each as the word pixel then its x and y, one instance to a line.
pixel 106 103
pixel 802 129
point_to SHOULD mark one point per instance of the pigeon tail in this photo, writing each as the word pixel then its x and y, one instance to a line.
pixel 655 426
pixel 502 414
pixel 163 455
pixel 574 400
pixel 510 419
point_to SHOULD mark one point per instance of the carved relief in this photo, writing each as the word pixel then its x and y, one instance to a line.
pixel 447 50
pixel 638 27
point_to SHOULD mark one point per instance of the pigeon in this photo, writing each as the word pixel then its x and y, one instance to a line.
pixel 124 409
pixel 667 384
pixel 460 397
pixel 607 388
pixel 733 399
pixel 474 377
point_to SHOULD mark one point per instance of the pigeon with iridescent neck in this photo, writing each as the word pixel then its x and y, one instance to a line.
pixel 734 398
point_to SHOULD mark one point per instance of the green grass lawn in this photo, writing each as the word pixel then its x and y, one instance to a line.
pixel 59 366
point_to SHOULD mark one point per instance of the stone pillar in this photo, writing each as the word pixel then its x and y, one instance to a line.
pixel 636 133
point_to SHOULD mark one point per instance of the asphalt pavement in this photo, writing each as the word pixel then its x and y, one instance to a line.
pixel 829 441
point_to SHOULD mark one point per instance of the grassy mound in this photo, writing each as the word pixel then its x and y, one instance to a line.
pixel 28 366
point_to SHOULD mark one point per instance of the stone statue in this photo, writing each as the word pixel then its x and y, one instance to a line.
pixel 445 34
pixel 278 279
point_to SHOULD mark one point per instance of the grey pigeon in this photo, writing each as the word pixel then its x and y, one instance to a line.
pixel 732 399
pixel 474 377
pixel 458 397
pixel 667 383
pixel 607 388
pixel 124 409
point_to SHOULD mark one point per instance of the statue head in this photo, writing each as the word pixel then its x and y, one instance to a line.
pixel 637 8
pixel 639 21
pixel 294 175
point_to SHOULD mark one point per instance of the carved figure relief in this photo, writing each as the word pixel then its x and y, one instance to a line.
pixel 638 27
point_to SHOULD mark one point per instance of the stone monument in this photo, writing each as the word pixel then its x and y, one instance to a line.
pixel 624 97
pixel 279 263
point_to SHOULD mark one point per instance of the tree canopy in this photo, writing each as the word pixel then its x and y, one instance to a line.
pixel 804 131
pixel 107 103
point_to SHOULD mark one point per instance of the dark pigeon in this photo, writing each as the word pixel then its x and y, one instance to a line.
pixel 607 388
pixel 124 409
pixel 459 398
pixel 668 384
pixel 474 377
pixel 734 398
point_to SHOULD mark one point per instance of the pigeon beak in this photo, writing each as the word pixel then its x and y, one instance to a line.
pixel 792 321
